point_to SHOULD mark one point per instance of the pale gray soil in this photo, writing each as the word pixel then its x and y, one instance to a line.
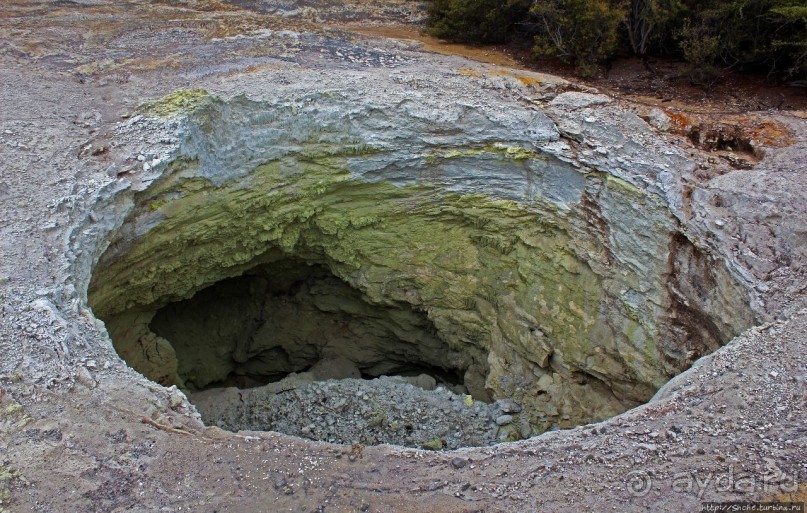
pixel 79 431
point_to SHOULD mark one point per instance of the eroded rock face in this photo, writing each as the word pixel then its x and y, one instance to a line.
pixel 545 248
pixel 287 317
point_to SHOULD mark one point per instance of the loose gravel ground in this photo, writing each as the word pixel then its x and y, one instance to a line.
pixel 385 410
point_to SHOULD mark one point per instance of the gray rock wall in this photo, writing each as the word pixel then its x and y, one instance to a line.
pixel 548 248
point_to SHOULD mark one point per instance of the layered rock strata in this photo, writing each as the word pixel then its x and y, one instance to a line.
pixel 540 255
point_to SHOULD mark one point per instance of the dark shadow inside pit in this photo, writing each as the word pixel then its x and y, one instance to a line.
pixel 290 317
pixel 290 347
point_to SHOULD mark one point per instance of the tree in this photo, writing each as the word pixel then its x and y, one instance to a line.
pixel 762 35
pixel 700 47
pixel 757 35
pixel 581 31
pixel 648 21
pixel 476 21
pixel 790 37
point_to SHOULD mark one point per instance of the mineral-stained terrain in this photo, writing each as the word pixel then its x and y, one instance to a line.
pixel 345 238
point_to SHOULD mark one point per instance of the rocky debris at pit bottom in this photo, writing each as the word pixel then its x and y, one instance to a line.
pixel 387 410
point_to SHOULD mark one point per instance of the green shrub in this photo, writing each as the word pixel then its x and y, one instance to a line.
pixel 701 49
pixel 649 24
pixel 581 31
pixel 712 35
pixel 476 21
pixel 762 35
pixel 791 37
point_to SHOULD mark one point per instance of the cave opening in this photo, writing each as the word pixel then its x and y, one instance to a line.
pixel 290 316
pixel 290 347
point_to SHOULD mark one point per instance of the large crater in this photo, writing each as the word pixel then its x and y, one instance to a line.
pixel 500 254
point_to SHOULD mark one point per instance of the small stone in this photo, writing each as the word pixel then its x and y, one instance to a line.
pixel 544 382
pixel 658 119
pixel 84 377
pixel 509 406
pixel 175 398
pixel 458 463
pixel 503 420
pixel 773 374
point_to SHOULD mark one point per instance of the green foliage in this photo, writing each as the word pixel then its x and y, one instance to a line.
pixel 582 31
pixel 701 48
pixel 712 35
pixel 648 23
pixel 475 21
pixel 764 35
pixel 791 40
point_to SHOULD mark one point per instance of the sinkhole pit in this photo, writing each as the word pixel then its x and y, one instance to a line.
pixel 402 273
